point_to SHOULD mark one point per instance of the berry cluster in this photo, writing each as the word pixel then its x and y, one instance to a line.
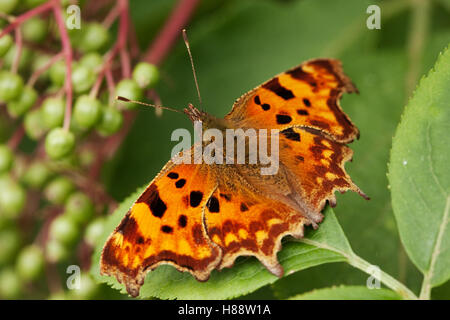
pixel 57 105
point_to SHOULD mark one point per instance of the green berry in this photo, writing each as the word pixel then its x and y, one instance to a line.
pixel 55 251
pixel 25 59
pixel 146 75
pixel 83 78
pixel 79 207
pixel 7 6
pixel 87 157
pixel 9 244
pixel 87 111
pixel 52 111
pixel 58 73
pixel 33 124
pixel 129 89
pixel 92 60
pixel 34 30
pixel 36 175
pixel 59 143
pixel 64 230
pixel 19 167
pixel 5 44
pixel 11 86
pixel 111 121
pixel 10 284
pixel 95 36
pixel 58 190
pixel 6 158
pixel 23 103
pixel 39 62
pixel 12 198
pixel 94 231
pixel 30 262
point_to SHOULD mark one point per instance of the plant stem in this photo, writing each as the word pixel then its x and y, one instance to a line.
pixel 425 291
pixel 35 76
pixel 392 283
pixel 123 34
pixel 17 136
pixel 359 263
pixel 420 20
pixel 27 15
pixel 19 44
pixel 67 49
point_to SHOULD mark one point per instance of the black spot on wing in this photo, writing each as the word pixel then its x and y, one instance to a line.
pixel 275 86
pixel 283 119
pixel 213 204
pixel 167 229
pixel 182 221
pixel 265 106
pixel 173 175
pixel 299 74
pixel 195 198
pixel 306 102
pixel 291 134
pixel 180 183
pixel 302 112
pixel 243 207
pixel 152 199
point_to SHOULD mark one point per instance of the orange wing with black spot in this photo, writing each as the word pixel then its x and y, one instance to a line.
pixel 244 223
pixel 306 96
pixel 317 163
pixel 164 226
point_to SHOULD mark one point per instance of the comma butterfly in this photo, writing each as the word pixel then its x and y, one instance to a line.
pixel 201 217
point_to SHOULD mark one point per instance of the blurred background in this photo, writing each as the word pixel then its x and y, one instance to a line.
pixel 237 45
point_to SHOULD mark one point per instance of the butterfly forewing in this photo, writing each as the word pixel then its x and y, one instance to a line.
pixel 165 225
pixel 307 95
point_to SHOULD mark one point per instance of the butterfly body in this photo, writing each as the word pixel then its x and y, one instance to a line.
pixel 199 217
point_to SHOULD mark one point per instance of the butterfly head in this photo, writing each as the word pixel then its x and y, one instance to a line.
pixel 207 120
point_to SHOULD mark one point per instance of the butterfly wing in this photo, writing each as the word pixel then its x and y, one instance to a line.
pixel 244 223
pixel 164 226
pixel 307 95
pixel 315 164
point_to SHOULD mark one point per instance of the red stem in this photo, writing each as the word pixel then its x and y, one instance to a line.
pixel 122 41
pixel 35 76
pixel 167 36
pixel 119 47
pixel 19 43
pixel 27 15
pixel 111 86
pixel 15 139
pixel 67 49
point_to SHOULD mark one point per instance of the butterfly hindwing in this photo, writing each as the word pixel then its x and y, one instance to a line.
pixel 243 223
pixel 317 163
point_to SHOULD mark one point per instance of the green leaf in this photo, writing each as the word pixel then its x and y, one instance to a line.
pixel 247 275
pixel 348 293
pixel 419 174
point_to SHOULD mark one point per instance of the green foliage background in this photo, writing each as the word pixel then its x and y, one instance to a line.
pixel 238 44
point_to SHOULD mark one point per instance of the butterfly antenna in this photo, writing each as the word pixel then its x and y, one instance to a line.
pixel 146 104
pixel 186 41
